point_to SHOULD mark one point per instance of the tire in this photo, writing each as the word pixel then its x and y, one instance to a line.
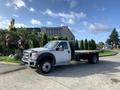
pixel 93 59
pixel 45 67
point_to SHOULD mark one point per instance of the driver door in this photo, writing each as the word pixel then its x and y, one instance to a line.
pixel 62 53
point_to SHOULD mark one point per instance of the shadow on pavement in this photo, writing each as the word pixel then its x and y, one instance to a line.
pixel 85 69
pixel 8 68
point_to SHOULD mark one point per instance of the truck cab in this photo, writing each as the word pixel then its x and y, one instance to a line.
pixel 53 53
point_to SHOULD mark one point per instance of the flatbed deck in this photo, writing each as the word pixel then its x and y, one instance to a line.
pixel 86 51
pixel 89 55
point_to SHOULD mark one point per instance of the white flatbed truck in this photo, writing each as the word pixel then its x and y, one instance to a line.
pixel 57 52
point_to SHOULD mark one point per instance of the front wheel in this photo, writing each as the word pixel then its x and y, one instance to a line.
pixel 45 67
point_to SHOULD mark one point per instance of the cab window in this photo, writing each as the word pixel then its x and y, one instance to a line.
pixel 63 45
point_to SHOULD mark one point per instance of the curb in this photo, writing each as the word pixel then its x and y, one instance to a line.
pixel 14 70
pixel 8 63
pixel 2 62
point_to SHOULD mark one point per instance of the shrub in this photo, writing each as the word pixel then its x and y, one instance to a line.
pixel 81 45
pixel 86 44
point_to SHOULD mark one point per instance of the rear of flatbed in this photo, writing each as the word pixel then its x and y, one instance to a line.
pixel 91 55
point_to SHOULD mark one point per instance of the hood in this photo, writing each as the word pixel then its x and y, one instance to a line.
pixel 38 49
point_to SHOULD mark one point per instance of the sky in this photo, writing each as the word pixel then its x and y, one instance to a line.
pixel 91 19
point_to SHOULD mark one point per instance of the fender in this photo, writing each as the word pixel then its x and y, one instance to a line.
pixel 45 55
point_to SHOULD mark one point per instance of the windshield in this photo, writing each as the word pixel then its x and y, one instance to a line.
pixel 51 44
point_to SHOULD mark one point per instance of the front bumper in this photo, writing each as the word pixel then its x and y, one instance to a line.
pixel 29 63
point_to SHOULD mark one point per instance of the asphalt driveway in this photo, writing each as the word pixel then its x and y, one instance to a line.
pixel 83 76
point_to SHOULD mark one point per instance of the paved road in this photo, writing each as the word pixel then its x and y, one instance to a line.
pixel 83 76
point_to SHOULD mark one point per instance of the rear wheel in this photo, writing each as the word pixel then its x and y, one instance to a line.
pixel 45 67
pixel 93 59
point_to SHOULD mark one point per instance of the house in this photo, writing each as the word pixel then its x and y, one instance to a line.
pixel 107 46
pixel 62 31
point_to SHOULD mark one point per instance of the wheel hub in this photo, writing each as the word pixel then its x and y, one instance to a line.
pixel 46 66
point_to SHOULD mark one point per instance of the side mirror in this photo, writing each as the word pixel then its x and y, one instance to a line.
pixel 60 49
pixel 57 49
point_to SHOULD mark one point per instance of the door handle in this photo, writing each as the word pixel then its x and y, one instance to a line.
pixel 68 51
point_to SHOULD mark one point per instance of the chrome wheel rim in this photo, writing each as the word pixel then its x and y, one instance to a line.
pixel 46 67
pixel 94 59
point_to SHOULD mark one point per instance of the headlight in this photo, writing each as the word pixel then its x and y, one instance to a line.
pixel 34 55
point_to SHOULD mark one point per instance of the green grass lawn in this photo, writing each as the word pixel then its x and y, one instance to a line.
pixel 107 53
pixel 10 59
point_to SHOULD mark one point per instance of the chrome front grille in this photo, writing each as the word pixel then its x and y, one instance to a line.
pixel 26 55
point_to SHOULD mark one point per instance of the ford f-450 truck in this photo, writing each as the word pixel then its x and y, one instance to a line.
pixel 57 52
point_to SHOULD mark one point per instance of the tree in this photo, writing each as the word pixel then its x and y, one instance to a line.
pixel 81 45
pixel 12 25
pixel 100 45
pixel 45 39
pixel 34 39
pixel 39 38
pixel 109 41
pixel 89 45
pixel 2 42
pixel 113 38
pixel 11 41
pixel 93 44
pixel 25 37
pixel 86 44
pixel 51 38
pixel 64 38
pixel 76 45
